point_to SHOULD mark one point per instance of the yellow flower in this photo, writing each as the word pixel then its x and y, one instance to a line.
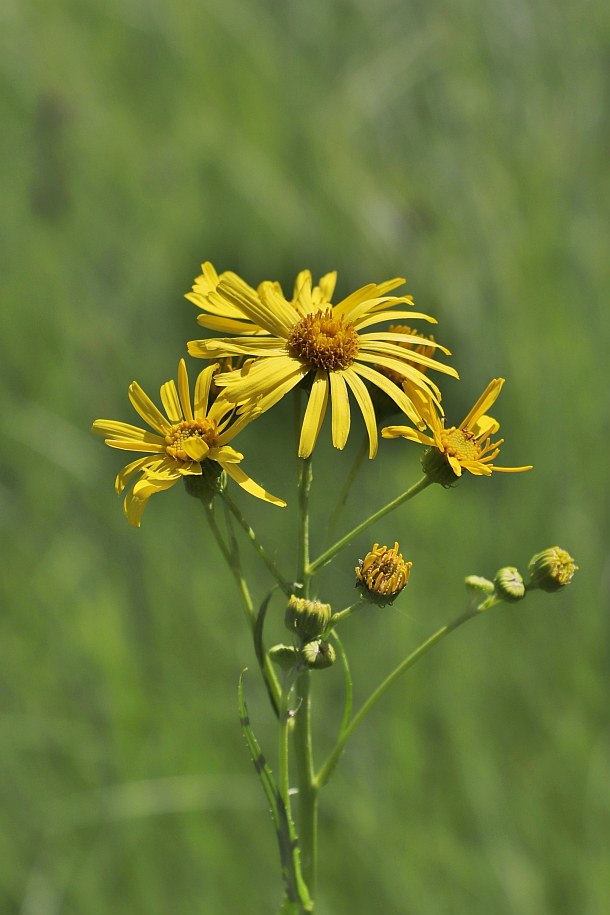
pixel 464 447
pixel 180 443
pixel 309 335
pixel 383 574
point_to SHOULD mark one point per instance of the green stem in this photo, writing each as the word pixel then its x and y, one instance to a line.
pixel 308 794
pixel 233 564
pixel 304 483
pixel 332 551
pixel 235 570
pixel 251 535
pixel 332 760
pixel 308 791
pixel 342 614
pixel 283 773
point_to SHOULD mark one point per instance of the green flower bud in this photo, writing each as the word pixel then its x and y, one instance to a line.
pixel 509 584
pixel 307 618
pixel 479 584
pixel 437 468
pixel 318 654
pixel 285 656
pixel 208 485
pixel 382 574
pixel 551 570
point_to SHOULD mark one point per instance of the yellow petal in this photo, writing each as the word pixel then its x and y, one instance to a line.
pixel 195 447
pixel 125 432
pixel 183 390
pixel 406 432
pixel 327 285
pixel 314 414
pixel 171 404
pixel 392 390
pixel 365 403
pixel 202 390
pixel 340 409
pixel 243 480
pixel 143 405
pixel 485 401
pixel 130 470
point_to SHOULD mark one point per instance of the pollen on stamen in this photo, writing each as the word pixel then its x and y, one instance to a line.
pixel 324 341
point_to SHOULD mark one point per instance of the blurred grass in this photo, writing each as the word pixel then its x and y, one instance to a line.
pixel 464 144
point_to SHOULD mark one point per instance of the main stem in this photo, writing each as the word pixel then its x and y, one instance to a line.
pixel 308 792
pixel 332 551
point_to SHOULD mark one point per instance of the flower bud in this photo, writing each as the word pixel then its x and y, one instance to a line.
pixel 383 574
pixel 318 654
pixel 437 468
pixel 479 584
pixel 285 656
pixel 551 570
pixel 509 584
pixel 210 483
pixel 308 618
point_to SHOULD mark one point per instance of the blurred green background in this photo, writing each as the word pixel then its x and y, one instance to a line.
pixel 461 144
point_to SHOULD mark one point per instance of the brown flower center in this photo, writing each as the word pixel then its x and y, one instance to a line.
pixel 204 429
pixel 324 341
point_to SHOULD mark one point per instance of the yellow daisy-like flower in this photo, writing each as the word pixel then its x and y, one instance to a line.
pixel 220 313
pixel 311 336
pixel 383 574
pixel 180 443
pixel 464 447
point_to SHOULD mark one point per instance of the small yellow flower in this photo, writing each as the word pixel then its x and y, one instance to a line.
pixel 310 336
pixel 383 574
pixel 180 443
pixel 464 447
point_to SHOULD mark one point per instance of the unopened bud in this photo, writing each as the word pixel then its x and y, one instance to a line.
pixel 509 584
pixel 285 656
pixel 479 584
pixel 551 570
pixel 382 574
pixel 318 654
pixel 308 618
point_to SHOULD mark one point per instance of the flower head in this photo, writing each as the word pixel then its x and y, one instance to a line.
pixel 383 574
pixel 307 618
pixel 552 569
pixel 309 336
pixel 509 584
pixel 457 448
pixel 181 441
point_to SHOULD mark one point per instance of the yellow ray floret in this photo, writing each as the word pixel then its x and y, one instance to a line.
pixel 182 440
pixel 464 447
pixel 218 312
pixel 308 335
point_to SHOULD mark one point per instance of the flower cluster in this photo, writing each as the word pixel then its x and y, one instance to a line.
pixel 272 344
